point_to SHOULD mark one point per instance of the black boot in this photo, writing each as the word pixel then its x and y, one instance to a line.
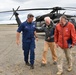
pixel 27 63
pixel 31 66
pixel 55 62
pixel 42 64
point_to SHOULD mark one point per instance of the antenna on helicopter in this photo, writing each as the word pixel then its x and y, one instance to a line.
pixel 64 12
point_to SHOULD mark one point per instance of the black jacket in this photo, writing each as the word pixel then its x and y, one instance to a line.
pixel 49 32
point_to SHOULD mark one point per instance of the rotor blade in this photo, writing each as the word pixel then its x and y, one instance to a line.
pixel 11 17
pixel 18 8
pixel 35 9
pixel 13 9
pixel 13 14
pixel 27 9
pixel 53 9
pixel 69 7
pixel 5 11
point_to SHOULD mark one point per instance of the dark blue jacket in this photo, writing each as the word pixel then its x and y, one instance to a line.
pixel 27 31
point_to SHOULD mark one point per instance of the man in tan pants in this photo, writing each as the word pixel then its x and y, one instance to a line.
pixel 49 41
pixel 65 39
pixel 61 54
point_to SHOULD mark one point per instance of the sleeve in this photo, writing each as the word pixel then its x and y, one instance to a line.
pixel 52 33
pixel 34 26
pixel 53 30
pixel 56 35
pixel 20 28
pixel 73 34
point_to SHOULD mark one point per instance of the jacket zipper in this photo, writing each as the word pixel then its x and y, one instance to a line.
pixel 62 38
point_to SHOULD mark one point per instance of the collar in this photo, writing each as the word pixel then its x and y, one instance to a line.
pixel 28 22
pixel 64 25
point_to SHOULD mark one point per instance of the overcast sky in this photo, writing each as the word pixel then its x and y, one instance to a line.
pixel 6 5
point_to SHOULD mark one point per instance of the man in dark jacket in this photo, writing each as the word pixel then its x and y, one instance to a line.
pixel 49 41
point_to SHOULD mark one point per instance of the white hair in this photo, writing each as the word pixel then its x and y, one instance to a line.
pixel 47 18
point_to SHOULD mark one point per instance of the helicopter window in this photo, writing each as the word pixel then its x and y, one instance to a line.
pixel 73 22
pixel 38 24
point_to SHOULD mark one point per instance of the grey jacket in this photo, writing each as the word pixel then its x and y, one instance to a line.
pixel 49 32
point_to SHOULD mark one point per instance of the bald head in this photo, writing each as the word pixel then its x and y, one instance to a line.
pixel 47 20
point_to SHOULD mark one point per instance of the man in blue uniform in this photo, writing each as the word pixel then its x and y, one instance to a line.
pixel 28 39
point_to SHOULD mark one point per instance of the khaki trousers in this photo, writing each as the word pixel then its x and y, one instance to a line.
pixel 52 47
pixel 61 54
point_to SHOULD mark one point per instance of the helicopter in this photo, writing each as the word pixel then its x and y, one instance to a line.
pixel 54 15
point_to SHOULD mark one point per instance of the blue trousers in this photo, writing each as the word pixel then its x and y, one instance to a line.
pixel 29 47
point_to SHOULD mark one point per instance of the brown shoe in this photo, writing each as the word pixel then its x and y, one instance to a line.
pixel 55 62
pixel 28 64
pixel 69 69
pixel 31 66
pixel 42 64
pixel 59 73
